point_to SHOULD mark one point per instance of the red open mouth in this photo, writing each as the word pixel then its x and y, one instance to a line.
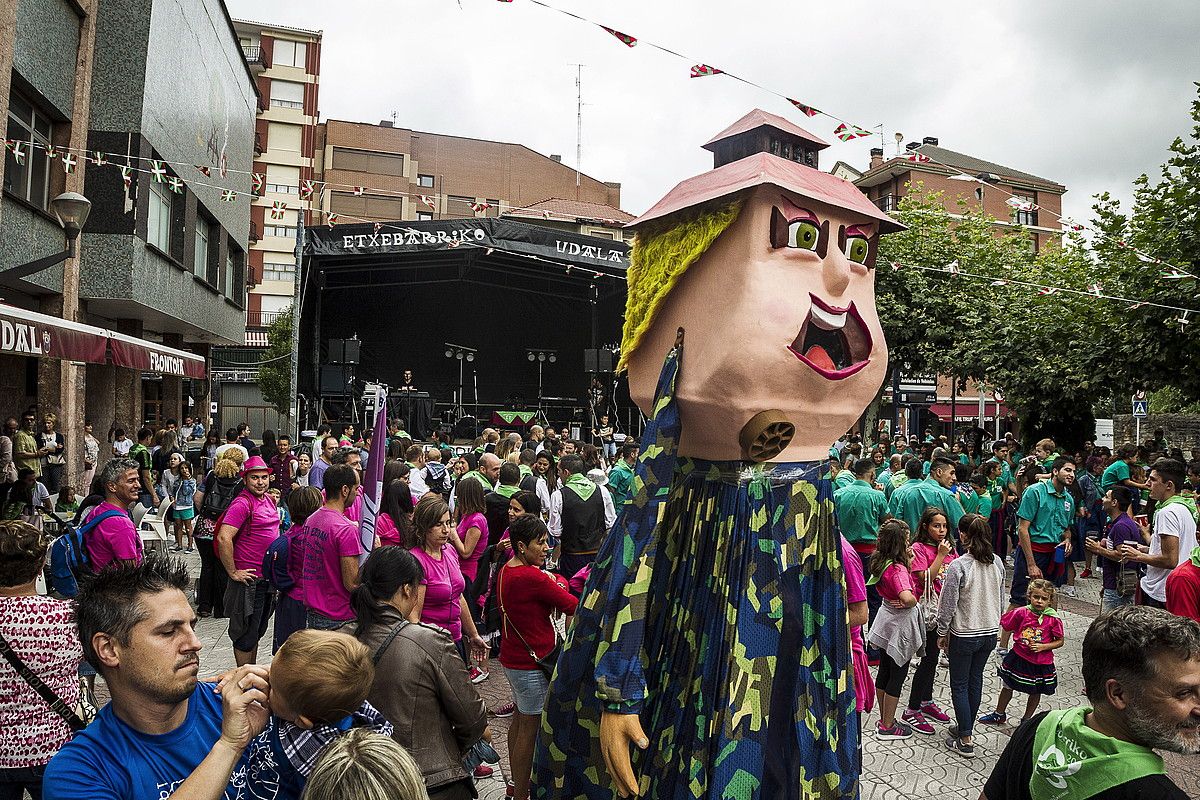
pixel 833 341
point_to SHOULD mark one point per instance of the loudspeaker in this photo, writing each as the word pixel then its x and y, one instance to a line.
pixel 335 380
pixel 466 428
pixel 344 351
pixel 597 360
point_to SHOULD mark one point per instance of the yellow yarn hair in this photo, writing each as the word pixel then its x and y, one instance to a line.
pixel 661 253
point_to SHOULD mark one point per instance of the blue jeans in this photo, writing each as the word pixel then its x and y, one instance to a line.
pixel 1110 599
pixel 968 658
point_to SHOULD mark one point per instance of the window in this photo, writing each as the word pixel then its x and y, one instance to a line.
pixel 31 180
pixel 158 217
pixel 279 271
pixel 282 179
pixel 1025 217
pixel 287 94
pixel 234 278
pixel 425 215
pixel 460 205
pixel 287 231
pixel 370 206
pixel 888 203
pixel 776 147
pixel 494 211
pixel 200 255
pixel 425 181
pixel 283 136
pixel 289 54
pixel 367 161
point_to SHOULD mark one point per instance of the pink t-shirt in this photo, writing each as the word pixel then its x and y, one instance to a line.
pixel 895 580
pixel 923 557
pixel 1028 629
pixel 113 539
pixel 856 592
pixel 386 530
pixel 251 542
pixel 319 547
pixel 354 512
pixel 470 563
pixel 443 584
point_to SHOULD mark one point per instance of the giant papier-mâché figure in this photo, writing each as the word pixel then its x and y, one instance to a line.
pixel 713 629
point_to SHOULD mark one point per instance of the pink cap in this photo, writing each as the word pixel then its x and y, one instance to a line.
pixel 255 464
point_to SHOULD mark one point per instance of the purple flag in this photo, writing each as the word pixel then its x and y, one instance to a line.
pixel 372 487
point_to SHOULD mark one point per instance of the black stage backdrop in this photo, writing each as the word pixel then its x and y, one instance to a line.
pixel 518 287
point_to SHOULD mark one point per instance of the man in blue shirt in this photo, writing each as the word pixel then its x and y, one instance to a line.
pixel 164 731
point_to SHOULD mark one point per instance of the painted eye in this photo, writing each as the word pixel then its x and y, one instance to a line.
pixel 803 235
pixel 857 249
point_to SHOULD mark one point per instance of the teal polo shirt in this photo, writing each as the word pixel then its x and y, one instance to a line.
pixel 843 479
pixel 1049 512
pixel 910 500
pixel 860 509
pixel 1114 473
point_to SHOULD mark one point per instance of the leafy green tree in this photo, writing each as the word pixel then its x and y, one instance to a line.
pixel 275 375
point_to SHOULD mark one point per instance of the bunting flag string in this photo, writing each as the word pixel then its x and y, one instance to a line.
pixel 625 38
pixel 847 132
pixel 807 111
pixel 704 70
pixel 69 162
pixel 176 184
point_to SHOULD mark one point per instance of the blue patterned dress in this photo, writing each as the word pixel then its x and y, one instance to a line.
pixel 716 611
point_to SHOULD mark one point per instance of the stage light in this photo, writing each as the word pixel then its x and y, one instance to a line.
pixel 553 358
pixel 449 354
pixel 458 356
pixel 470 356
pixel 532 356
pixel 541 356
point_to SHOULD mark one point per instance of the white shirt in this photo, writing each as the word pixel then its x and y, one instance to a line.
pixel 1170 520
pixel 417 484
pixel 543 492
pixel 555 523
pixel 122 446
pixel 40 494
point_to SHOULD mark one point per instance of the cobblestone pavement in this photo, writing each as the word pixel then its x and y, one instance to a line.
pixel 919 767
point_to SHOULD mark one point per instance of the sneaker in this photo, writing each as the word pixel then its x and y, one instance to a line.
pixel 189 550
pixel 506 710
pixel 898 731
pixel 994 718
pixel 1002 651
pixel 917 722
pixel 934 712
pixel 478 675
pixel 1068 590
pixel 484 771
pixel 955 745
pixel 1086 573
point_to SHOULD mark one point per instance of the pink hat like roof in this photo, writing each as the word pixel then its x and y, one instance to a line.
pixel 764 168
pixel 757 119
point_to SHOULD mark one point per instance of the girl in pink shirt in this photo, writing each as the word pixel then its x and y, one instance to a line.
pixel 1029 666
pixel 898 630
pixel 394 525
pixel 471 536
pixel 932 553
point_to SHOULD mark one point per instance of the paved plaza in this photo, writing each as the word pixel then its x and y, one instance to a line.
pixel 919 767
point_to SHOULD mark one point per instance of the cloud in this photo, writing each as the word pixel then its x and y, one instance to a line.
pixel 1086 93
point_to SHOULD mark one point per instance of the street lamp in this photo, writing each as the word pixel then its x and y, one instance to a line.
pixel 71 210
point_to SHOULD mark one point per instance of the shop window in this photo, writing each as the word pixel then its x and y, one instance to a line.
pixel 29 180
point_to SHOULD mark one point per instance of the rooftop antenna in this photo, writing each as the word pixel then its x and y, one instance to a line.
pixel 578 123
pixel 393 119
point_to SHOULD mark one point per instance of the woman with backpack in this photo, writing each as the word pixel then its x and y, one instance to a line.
pixel 421 683
pixel 221 485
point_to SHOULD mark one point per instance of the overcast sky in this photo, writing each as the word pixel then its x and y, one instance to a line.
pixel 1089 94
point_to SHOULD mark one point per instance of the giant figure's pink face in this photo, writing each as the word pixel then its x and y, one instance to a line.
pixel 779 314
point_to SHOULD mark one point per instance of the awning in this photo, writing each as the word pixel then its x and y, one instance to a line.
pixel 968 410
pixel 29 333
pixel 139 354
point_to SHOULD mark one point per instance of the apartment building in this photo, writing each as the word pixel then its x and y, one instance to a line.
pixel 286 63
pixel 383 173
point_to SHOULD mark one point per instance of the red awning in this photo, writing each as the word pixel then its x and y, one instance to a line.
pixel 129 351
pixel 29 333
pixel 967 410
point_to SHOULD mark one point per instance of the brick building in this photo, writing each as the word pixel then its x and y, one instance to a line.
pixel 454 173
pixel 119 329
pixel 886 182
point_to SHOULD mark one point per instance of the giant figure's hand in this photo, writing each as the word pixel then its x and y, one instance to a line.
pixel 617 732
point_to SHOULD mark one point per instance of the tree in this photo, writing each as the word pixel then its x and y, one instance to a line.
pixel 275 375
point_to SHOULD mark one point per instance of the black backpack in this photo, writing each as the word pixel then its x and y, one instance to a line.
pixel 219 496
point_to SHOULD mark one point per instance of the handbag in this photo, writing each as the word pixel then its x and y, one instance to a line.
pixel 547 662
pixel 1128 581
pixel 77 718
pixel 931 602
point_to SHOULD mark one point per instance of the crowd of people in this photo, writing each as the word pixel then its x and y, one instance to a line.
pixel 380 641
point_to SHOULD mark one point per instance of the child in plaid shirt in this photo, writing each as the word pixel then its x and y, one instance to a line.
pixel 319 685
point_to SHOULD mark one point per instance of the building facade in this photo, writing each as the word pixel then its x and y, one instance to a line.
pixel 117 326
pixel 405 174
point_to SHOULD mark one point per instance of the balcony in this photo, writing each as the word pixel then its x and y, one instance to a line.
pixel 262 319
pixel 889 203
pixel 254 233
pixel 260 146
pixel 257 58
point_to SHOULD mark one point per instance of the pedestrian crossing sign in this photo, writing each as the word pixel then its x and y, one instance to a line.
pixel 1139 407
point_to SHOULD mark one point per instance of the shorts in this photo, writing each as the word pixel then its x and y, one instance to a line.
pixel 1020 580
pixel 529 687
pixel 1110 599
pixel 184 513
pixel 890 678
pixel 249 609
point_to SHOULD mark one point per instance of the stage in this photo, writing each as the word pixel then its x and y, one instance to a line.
pixel 491 289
